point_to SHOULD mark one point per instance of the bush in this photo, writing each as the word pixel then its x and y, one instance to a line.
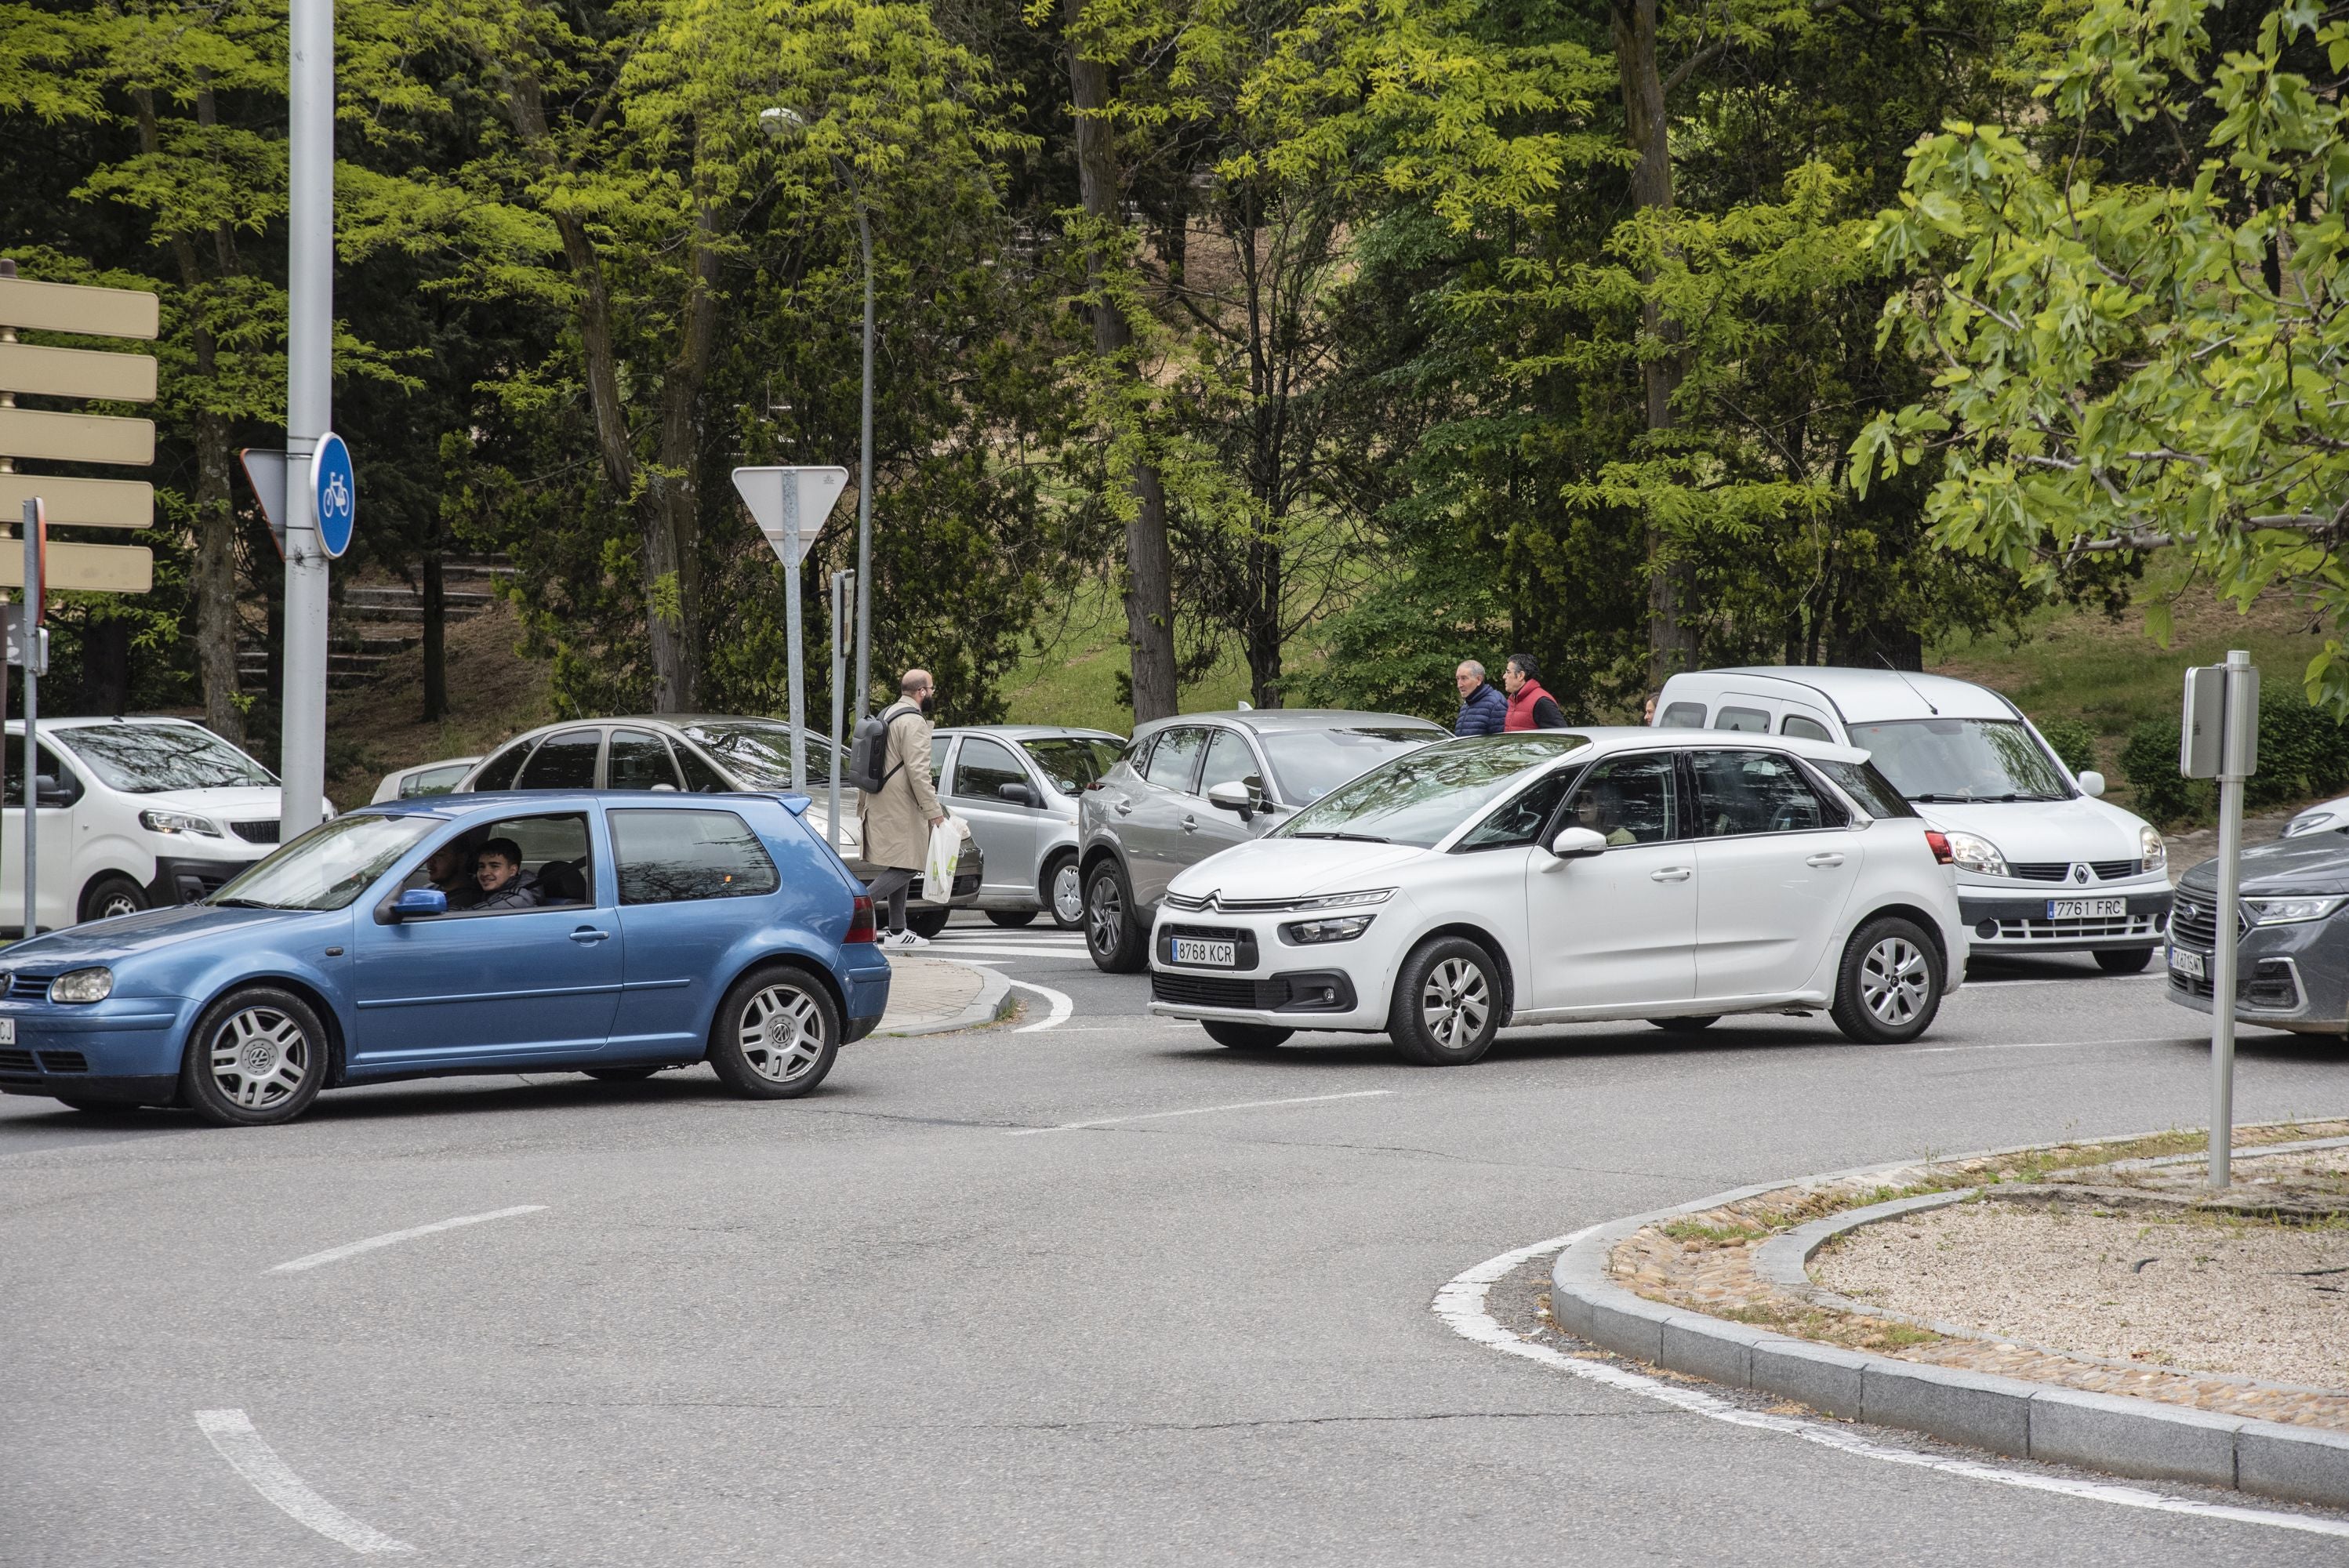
pixel 2074 743
pixel 2302 752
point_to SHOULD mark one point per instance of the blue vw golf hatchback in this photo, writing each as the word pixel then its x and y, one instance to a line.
pixel 613 934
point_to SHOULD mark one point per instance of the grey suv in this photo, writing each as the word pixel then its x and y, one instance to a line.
pixel 1190 787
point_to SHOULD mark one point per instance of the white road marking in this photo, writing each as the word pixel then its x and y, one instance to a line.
pixel 336 1255
pixel 1461 1304
pixel 2066 980
pixel 1062 1008
pixel 1004 950
pixel 233 1435
pixel 2046 1045
pixel 1198 1110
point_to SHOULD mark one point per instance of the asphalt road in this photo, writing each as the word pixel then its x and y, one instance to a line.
pixel 920 1318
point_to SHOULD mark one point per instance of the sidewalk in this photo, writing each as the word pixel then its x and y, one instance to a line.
pixel 937 995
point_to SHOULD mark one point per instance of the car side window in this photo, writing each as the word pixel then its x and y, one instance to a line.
pixel 1683 715
pixel 1174 758
pixel 983 767
pixel 433 780
pixel 513 866
pixel 1746 792
pixel 1802 729
pixel 700 779
pixel 676 857
pixel 68 782
pixel 1750 721
pixel 639 759
pixel 1229 761
pixel 1628 799
pixel 1519 821
pixel 564 761
pixel 940 746
pixel 498 772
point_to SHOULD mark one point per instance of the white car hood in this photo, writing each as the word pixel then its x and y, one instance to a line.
pixel 1294 868
pixel 2081 829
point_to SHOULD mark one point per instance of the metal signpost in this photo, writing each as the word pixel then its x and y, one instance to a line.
pixel 309 406
pixel 840 591
pixel 2220 738
pixel 790 504
pixel 36 539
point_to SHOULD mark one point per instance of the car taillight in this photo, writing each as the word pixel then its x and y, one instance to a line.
pixel 860 922
pixel 1940 845
pixel 1096 784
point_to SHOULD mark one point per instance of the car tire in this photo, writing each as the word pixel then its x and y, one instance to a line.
pixel 257 1058
pixel 2123 960
pixel 1064 889
pixel 1447 1003
pixel 620 1074
pixel 1119 945
pixel 1889 985
pixel 927 922
pixel 1244 1036
pixel 110 895
pixel 1686 1025
pixel 1012 919
pixel 775 1034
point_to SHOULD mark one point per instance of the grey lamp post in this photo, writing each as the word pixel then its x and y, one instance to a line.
pixel 781 122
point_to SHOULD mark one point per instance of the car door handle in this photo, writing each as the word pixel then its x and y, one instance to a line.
pixel 1190 823
pixel 1826 861
pixel 1670 873
pixel 587 934
pixel 1124 807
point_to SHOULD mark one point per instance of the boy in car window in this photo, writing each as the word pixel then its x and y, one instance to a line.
pixel 504 883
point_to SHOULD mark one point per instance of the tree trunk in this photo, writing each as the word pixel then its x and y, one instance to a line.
pixel 1149 560
pixel 1672 641
pixel 436 640
pixel 105 666
pixel 672 504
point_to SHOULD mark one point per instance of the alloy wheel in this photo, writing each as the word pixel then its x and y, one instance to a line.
pixel 1455 1003
pixel 1105 916
pixel 1068 895
pixel 1894 982
pixel 259 1058
pixel 782 1033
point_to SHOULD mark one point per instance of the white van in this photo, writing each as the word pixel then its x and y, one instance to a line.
pixel 2042 865
pixel 131 813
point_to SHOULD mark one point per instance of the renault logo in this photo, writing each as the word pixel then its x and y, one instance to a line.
pixel 2079 874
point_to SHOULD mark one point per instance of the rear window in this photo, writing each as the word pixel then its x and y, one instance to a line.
pixel 1863 783
pixel 1745 720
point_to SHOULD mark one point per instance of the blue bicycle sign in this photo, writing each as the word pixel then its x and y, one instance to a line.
pixel 335 489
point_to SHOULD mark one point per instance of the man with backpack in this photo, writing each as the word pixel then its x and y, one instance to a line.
pixel 890 767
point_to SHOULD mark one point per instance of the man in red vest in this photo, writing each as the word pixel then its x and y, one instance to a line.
pixel 1530 708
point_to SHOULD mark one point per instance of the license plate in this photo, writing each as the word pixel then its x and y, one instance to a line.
pixel 2186 963
pixel 1217 954
pixel 2086 908
pixel 8 1031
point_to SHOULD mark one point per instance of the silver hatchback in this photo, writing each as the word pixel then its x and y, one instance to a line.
pixel 1017 784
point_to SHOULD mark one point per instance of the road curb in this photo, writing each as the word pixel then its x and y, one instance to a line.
pixel 2116 1433
pixel 994 1001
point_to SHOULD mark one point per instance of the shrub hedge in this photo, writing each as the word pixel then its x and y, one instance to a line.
pixel 2302 752
pixel 2074 742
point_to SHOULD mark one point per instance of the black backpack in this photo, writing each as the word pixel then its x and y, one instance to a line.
pixel 868 752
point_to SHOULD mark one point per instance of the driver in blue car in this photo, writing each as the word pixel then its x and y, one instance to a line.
pixel 497 868
pixel 445 870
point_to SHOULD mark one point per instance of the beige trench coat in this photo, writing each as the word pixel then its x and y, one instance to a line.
pixel 896 817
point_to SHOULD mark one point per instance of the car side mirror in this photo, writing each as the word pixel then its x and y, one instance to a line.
pixel 1232 795
pixel 1018 794
pixel 47 791
pixel 1577 843
pixel 417 902
pixel 2092 783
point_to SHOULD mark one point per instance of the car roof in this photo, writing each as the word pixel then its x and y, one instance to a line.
pixel 1282 721
pixel 539 801
pixel 1862 696
pixel 85 721
pixel 1030 731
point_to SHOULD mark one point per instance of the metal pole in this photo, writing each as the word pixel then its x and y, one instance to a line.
pixel 32 640
pixel 792 633
pixel 864 474
pixel 2224 944
pixel 839 640
pixel 309 404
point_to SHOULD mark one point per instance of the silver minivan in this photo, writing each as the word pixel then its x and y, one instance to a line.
pixel 1016 786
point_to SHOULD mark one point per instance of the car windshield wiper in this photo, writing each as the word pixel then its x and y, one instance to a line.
pixel 1960 800
pixel 240 903
pixel 1357 838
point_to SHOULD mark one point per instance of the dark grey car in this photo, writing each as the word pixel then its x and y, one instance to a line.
pixel 2293 964
pixel 1190 787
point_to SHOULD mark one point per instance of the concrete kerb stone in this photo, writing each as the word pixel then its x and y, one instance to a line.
pixel 2113 1433
pixel 994 1000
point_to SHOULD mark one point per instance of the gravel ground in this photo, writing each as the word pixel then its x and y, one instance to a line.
pixel 2247 1298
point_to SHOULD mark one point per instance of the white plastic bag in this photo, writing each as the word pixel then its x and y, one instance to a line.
pixel 939 868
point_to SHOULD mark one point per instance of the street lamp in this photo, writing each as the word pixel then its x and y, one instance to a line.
pixel 779 123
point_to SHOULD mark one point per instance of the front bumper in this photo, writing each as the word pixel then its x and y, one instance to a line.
pixel 2004 920
pixel 1317 985
pixel 124 1050
pixel 2291 976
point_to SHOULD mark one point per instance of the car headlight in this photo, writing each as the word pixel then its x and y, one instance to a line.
pixel 82 985
pixel 1346 900
pixel 2289 910
pixel 2153 854
pixel 1973 853
pixel 1337 928
pixel 2311 822
pixel 178 822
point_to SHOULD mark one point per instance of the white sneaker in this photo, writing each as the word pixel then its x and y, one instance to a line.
pixel 905 939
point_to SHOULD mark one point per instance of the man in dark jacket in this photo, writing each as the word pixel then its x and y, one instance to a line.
pixel 505 884
pixel 1530 708
pixel 1482 710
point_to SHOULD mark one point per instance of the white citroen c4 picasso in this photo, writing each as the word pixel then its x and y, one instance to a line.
pixel 1560 875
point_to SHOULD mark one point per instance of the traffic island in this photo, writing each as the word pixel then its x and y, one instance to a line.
pixel 1982 1301
pixel 939 996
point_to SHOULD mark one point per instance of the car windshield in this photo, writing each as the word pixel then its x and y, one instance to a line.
pixel 758 752
pixel 1418 799
pixel 1307 764
pixel 329 866
pixel 1960 760
pixel 1073 761
pixel 146 758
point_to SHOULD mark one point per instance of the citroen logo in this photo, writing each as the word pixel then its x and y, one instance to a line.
pixel 1214 899
pixel 2079 874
